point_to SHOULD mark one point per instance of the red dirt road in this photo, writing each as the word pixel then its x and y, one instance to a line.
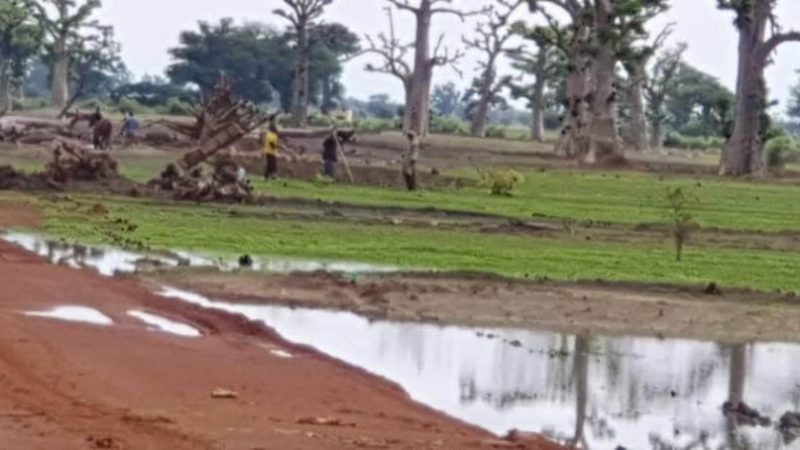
pixel 73 386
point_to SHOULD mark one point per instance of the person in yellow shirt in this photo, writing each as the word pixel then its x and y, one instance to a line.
pixel 271 143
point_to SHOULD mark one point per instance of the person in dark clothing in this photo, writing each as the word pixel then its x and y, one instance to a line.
pixel 330 155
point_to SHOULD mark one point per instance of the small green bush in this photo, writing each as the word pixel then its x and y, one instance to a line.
pixel 496 132
pixel 449 125
pixel 375 125
pixel 131 105
pixel 500 182
pixel 779 151
pixel 679 141
pixel 176 107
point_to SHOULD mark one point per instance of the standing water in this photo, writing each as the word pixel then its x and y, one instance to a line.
pixel 599 392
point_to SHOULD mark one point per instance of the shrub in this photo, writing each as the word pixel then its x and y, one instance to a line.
pixel 129 104
pixel 500 182
pixel 496 132
pixel 779 151
pixel 678 207
pixel 375 125
pixel 449 125
pixel 677 140
pixel 176 107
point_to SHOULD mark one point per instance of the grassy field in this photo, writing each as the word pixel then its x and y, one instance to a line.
pixel 215 229
pixel 627 198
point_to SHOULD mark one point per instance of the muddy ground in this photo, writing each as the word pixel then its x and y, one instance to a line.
pixel 76 386
pixel 697 312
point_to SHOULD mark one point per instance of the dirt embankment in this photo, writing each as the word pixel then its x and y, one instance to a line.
pixel 75 386
pixel 595 308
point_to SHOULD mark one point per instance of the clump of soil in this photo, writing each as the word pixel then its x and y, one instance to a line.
pixel 224 184
pixel 72 162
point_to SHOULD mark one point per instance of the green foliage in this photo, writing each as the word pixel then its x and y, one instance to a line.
pixel 779 151
pixel 678 207
pixel 500 182
pixel 131 105
pixel 168 226
pixel 676 140
pixel 449 125
pixel 698 104
pixel 20 38
pixel 446 99
pixel 177 107
pixel 375 125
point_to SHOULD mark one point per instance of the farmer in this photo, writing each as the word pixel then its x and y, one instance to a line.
pixel 129 126
pixel 330 154
pixel 271 143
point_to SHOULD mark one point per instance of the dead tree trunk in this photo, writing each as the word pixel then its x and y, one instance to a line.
pixel 742 154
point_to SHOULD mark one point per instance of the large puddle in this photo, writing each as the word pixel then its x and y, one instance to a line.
pixel 601 392
pixel 108 260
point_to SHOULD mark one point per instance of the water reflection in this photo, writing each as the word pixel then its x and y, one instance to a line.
pixel 592 392
pixel 108 260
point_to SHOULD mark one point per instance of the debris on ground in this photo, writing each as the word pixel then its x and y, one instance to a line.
pixel 220 123
pixel 325 421
pixel 11 178
pixel 221 393
pixel 71 161
pixel 744 414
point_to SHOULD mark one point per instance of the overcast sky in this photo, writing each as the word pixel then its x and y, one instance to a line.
pixel 147 28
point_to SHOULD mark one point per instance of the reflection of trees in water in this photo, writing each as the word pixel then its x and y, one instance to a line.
pixel 63 253
pixel 581 365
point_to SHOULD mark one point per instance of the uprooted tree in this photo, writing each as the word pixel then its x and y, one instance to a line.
pixel 302 14
pixel 491 40
pixel 601 32
pixel 220 122
pixel 759 37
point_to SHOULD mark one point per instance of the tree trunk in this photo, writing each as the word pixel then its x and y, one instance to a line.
pixel 60 95
pixel 5 86
pixel 478 127
pixel 327 93
pixel 574 134
pixel 410 158
pixel 485 100
pixel 300 83
pixel 416 114
pixel 656 135
pixel 638 123
pixel 537 102
pixel 742 154
pixel 604 142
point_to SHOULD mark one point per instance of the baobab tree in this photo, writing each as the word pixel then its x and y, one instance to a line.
pixel 759 37
pixel 426 59
pixel 635 65
pixel 491 39
pixel 545 64
pixel 302 14
pixel 601 33
pixel 660 83
pixel 68 24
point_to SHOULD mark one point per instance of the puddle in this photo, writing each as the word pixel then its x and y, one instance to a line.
pixel 603 392
pixel 168 326
pixel 108 261
pixel 282 354
pixel 74 314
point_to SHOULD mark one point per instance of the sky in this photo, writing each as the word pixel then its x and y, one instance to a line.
pixel 148 28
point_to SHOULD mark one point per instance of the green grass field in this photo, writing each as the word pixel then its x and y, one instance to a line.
pixel 626 198
pixel 214 229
